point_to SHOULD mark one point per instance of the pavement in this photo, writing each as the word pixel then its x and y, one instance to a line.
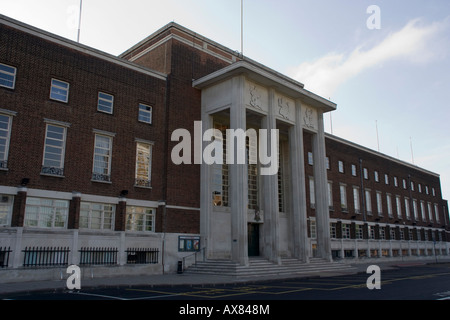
pixel 175 279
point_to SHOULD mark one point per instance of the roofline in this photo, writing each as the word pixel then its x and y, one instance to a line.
pixel 269 77
pixel 77 46
pixel 379 154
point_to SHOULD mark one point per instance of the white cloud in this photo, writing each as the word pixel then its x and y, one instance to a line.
pixel 327 73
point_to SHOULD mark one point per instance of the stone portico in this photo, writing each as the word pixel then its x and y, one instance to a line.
pixel 243 212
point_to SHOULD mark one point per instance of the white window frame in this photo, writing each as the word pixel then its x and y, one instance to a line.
pixel 6 138
pixel 102 176
pixel 41 207
pixel 132 218
pixel 310 158
pixel 312 193
pixel 103 103
pixel 379 203
pixel 356 200
pixel 368 198
pixel 436 212
pixel 145 111
pixel 54 170
pixel 90 208
pixel 7 73
pixel 407 208
pixel 398 204
pixel 141 180
pixel 59 90
pixel 341 166
pixel 346 231
pixel 354 170
pixel 389 205
pixel 6 207
pixel 343 196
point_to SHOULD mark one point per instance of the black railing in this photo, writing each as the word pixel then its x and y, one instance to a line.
pixel 45 256
pixel 142 255
pixel 4 256
pixel 97 256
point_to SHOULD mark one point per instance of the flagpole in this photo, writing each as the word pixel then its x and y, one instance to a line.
pixel 79 21
pixel 242 28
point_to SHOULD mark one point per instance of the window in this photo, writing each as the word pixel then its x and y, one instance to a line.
pixel 430 212
pixel 356 202
pixel 404 183
pixel 395 182
pixel 143 164
pixel 145 113
pixel 372 232
pixel 423 208
pixel 105 102
pixel 46 213
pixel 366 173
pixel 415 209
pixel 6 205
pixel 389 205
pixel 312 226
pixel 343 192
pixel 393 235
pixel 330 195
pixel 59 90
pixel 407 209
pixel 54 146
pixel 376 176
pixel 310 158
pixel 5 135
pixel 399 206
pixel 341 166
pixel 359 231
pixel 353 170
pixel 333 234
pixel 312 195
pixel 379 203
pixel 7 76
pixel 102 158
pixel 346 231
pixel 220 172
pixel 386 179
pixel 96 215
pixel 382 231
pixel 436 212
pixel 368 202
pixel 140 219
pixel 327 162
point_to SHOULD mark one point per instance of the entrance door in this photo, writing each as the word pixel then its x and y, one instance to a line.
pixel 253 239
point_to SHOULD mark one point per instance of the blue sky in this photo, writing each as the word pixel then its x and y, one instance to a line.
pixel 394 80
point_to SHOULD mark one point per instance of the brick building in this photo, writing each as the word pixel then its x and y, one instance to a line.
pixel 86 163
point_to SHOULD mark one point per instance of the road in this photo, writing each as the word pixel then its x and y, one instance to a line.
pixel 421 282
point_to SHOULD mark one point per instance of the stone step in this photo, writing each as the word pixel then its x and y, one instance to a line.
pixel 260 267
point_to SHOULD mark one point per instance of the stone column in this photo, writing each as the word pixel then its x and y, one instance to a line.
pixel 298 193
pixel 321 191
pixel 238 177
pixel 206 197
pixel 270 191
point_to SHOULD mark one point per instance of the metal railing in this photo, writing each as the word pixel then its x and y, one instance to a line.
pixel 45 256
pixel 4 256
pixel 194 254
pixel 98 256
pixel 142 255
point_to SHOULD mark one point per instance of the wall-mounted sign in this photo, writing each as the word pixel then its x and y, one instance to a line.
pixel 188 243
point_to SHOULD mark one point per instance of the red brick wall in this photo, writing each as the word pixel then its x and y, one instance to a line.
pixel 37 61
